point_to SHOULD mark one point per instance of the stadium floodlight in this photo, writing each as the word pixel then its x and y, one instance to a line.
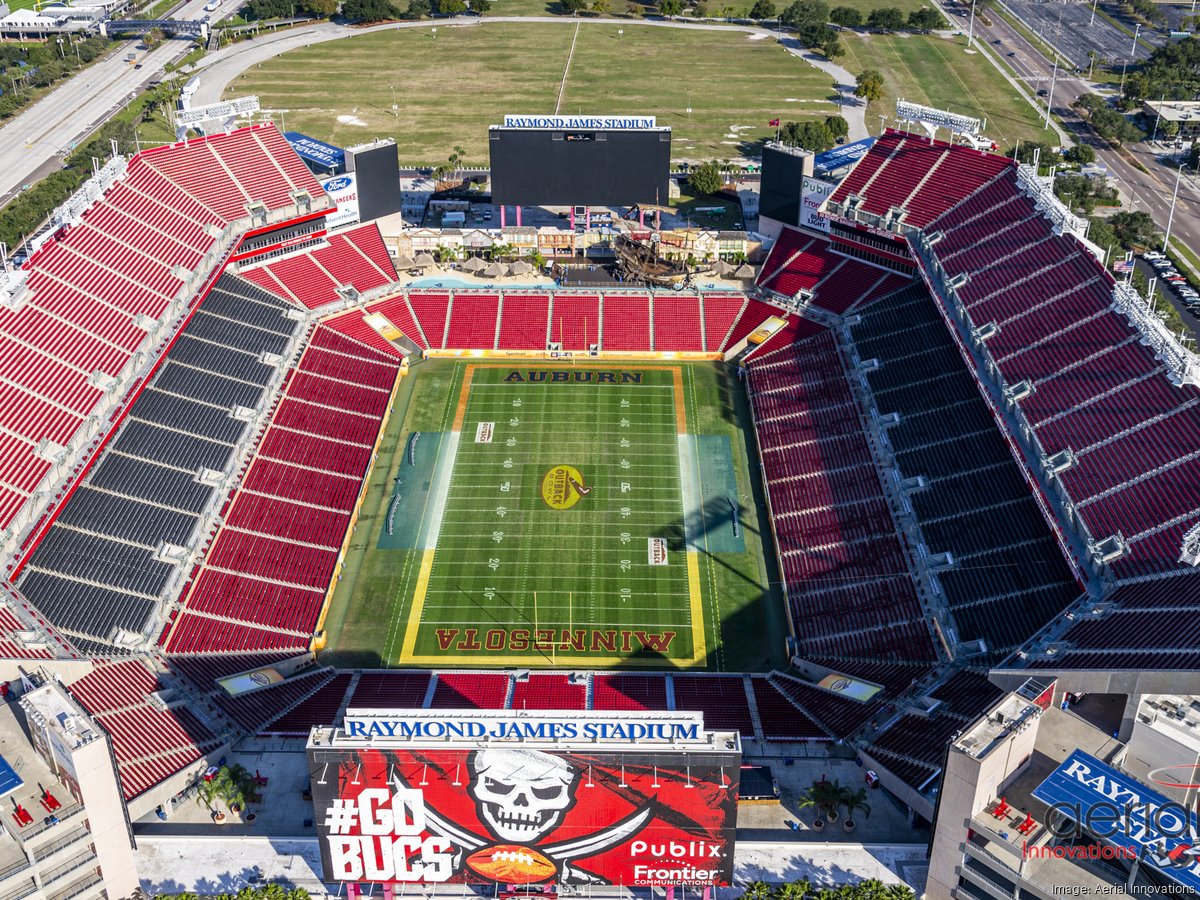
pixel 1042 195
pixel 1183 366
pixel 938 118
pixel 240 106
pixel 81 201
pixel 1189 548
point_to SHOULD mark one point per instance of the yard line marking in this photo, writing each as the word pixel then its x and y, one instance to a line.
pixel 567 68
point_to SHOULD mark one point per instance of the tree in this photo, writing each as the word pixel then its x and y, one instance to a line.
pixel 846 16
pixel 856 801
pixel 261 892
pixel 600 7
pixel 757 890
pixel 368 10
pixel 1134 229
pixel 808 19
pixel 700 10
pixel 762 9
pixel 886 18
pixel 633 8
pixel 825 797
pixel 869 84
pixel 153 38
pixel 793 890
pixel 670 7
pixel 925 19
pixel 417 9
pixel 706 178
pixel 1081 154
pixel 481 6
pixel 1045 153
pixel 832 46
pixel 231 785
pixel 814 136
pixel 450 7
pixel 837 126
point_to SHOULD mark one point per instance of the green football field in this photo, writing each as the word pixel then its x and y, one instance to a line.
pixel 595 515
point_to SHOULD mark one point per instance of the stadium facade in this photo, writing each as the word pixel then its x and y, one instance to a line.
pixel 978 450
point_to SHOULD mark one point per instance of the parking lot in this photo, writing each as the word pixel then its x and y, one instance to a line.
pixel 1075 37
pixel 1173 293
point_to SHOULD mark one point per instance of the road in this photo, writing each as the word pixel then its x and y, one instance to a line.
pixel 33 143
pixel 1149 191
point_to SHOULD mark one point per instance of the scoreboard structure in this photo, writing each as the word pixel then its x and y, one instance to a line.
pixel 579 161
pixel 516 798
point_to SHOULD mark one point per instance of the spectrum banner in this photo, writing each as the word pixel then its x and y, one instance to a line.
pixel 520 816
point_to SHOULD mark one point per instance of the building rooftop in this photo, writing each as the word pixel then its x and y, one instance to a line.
pixel 1011 714
pixel 1175 110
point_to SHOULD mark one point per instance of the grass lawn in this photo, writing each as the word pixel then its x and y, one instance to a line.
pixel 695 208
pixel 451 86
pixel 480 547
pixel 937 72
pixel 716 9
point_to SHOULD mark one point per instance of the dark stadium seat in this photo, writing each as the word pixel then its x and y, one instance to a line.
pixel 847 577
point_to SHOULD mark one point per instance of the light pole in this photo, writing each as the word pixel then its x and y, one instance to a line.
pixel 1133 52
pixel 1158 118
pixel 881 121
pixel 395 107
pixel 1171 214
pixel 1093 22
pixel 1050 96
pixel 971 26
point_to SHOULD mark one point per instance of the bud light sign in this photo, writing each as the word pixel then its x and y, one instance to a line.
pixel 813 195
pixel 342 190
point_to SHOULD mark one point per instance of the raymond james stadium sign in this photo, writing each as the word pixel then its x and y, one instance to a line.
pixel 568 122
pixel 420 725
pixel 1086 795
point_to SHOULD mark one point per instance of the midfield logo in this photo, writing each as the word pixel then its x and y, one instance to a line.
pixel 562 487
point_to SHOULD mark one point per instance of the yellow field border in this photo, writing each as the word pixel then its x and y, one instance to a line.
pixel 699 655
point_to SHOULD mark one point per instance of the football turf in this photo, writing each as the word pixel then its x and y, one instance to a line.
pixel 559 516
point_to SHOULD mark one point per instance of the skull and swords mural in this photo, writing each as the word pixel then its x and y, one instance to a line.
pixel 518 816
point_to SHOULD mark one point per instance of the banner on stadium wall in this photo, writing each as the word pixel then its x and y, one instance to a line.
pixel 855 688
pixel 244 682
pixel 342 190
pixel 608 123
pixel 814 193
pixel 501 811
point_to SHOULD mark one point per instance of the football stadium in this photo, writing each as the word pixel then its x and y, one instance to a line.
pixel 529 585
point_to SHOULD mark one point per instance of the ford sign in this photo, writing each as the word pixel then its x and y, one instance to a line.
pixel 333 185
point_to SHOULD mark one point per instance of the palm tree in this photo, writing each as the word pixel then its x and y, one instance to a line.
pixel 855 801
pixel 793 890
pixel 757 890
pixel 825 797
pixel 444 254
pixel 871 889
pixel 898 892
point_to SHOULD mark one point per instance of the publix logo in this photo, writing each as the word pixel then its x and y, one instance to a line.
pixel 334 185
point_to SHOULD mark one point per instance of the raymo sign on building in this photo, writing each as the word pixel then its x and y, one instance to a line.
pixel 505 797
